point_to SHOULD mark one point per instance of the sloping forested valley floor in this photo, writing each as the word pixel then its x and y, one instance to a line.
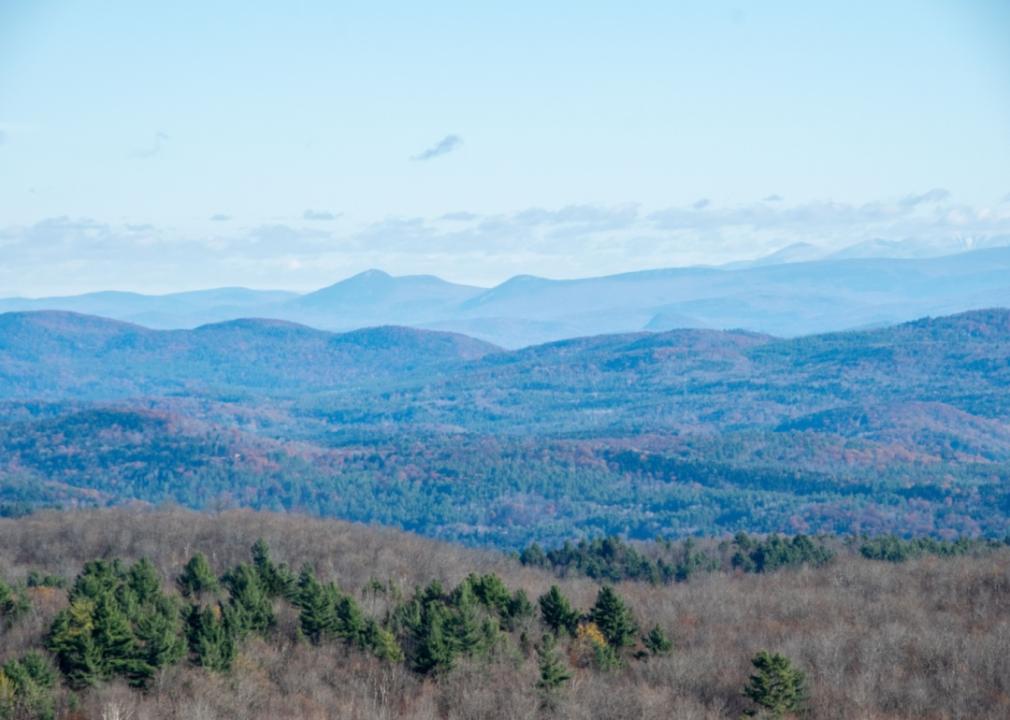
pixel 172 614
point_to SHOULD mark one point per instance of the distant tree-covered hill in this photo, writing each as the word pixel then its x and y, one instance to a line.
pixel 901 429
pixel 65 355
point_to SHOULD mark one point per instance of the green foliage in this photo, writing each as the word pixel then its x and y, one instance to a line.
pixel 276 580
pixel 118 623
pixel 613 560
pixel 776 552
pixel 383 643
pixel 317 617
pixel 14 603
pixel 530 428
pixel 440 627
pixel 197 577
pixel 350 621
pixel 657 642
pixel 26 688
pixel 432 649
pixel 326 614
pixel 602 559
pixel 553 672
pixel 534 556
pixel 249 600
pixel 606 657
pixel 212 637
pixel 557 613
pixel 37 579
pixel 519 608
pixel 776 687
pixel 894 549
pixel 613 617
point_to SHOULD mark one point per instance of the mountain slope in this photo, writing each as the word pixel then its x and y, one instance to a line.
pixel 688 431
pixel 786 299
pixel 374 297
pixel 65 355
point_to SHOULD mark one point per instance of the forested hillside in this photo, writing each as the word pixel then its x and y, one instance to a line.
pixel 172 614
pixel 900 430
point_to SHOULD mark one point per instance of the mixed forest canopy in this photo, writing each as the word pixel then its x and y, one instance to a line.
pixel 899 430
pixel 173 614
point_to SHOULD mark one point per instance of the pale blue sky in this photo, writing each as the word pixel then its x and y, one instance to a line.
pixel 324 138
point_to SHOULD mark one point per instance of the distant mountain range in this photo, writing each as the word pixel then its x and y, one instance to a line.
pixel 790 293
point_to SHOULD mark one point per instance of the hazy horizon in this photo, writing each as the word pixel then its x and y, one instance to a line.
pixel 183 147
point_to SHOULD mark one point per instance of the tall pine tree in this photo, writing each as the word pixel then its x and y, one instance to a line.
pixel 557 612
pixel 613 618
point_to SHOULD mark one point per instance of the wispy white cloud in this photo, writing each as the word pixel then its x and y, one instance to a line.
pixel 443 147
pixel 153 148
pixel 935 195
pixel 64 254
pixel 319 215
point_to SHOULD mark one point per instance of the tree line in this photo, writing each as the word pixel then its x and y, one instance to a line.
pixel 611 559
pixel 121 623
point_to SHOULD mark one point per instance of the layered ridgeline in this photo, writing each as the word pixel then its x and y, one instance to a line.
pixel 901 429
pixel 794 292
pixel 119 614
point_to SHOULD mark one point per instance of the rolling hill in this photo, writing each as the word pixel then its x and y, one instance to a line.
pixel 899 429
pixel 64 355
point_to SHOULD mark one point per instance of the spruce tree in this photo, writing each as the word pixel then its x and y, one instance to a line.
pixel 657 642
pixel 350 621
pixel 777 688
pixel 251 603
pixel 435 651
pixel 211 637
pixel 118 623
pixel 465 627
pixel 26 687
pixel 553 672
pixel 276 580
pixel 557 612
pixel 13 604
pixel 143 581
pixel 71 641
pixel 197 577
pixel 113 637
pixel 613 618
pixel 383 643
pixel 317 618
pixel 158 632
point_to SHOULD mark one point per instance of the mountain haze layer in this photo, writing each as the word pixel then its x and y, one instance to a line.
pixel 787 294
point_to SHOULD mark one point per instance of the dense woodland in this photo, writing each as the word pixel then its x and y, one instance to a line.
pixel 171 614
pixel 900 430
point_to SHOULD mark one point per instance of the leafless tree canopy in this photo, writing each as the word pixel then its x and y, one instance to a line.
pixel 923 639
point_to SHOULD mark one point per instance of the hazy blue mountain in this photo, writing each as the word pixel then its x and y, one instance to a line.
pixel 914 248
pixel 786 299
pixel 783 294
pixel 374 297
pixel 174 310
pixel 797 252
